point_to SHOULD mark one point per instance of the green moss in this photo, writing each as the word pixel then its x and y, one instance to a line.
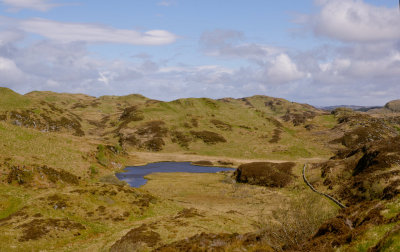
pixel 93 170
pixel 101 155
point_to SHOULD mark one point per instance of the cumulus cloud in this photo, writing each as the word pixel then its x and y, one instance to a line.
pixel 10 72
pixel 272 65
pixel 355 21
pixel 283 69
pixel 39 5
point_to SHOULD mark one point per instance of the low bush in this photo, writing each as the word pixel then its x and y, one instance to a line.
pixel 265 173
pixel 221 125
pixel 154 144
pixel 181 138
pixel 208 137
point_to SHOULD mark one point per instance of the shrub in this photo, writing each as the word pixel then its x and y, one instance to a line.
pixel 295 224
pixel 181 139
pixel 131 114
pixel 208 137
pixel 155 128
pixel 154 144
pixel 265 173
pixel 203 163
pixel 221 125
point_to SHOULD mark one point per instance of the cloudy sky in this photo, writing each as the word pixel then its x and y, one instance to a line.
pixel 322 52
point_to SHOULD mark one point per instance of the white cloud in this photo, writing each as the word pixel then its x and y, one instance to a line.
pixel 7 65
pixel 70 32
pixel 11 75
pixel 283 69
pixel 10 36
pixel 355 21
pixel 39 5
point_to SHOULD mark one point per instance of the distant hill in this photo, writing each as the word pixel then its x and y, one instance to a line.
pixel 353 107
pixel 393 105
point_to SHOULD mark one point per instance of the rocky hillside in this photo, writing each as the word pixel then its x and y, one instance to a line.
pixel 364 175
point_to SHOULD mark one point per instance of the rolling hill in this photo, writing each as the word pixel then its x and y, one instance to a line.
pixel 59 153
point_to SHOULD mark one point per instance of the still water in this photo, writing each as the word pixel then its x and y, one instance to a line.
pixel 134 175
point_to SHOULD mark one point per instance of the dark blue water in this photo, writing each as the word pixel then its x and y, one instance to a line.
pixel 134 175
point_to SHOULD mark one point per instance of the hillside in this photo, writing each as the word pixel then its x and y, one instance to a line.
pixel 252 127
pixel 393 105
pixel 59 153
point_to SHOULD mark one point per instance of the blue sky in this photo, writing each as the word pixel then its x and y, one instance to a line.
pixel 321 52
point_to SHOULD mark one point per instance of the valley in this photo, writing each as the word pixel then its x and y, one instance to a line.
pixel 59 154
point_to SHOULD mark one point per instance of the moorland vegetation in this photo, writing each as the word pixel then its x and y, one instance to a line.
pixel 59 153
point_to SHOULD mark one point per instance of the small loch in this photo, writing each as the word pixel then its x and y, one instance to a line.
pixel 134 175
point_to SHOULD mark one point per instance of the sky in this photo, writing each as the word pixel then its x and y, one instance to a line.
pixel 321 52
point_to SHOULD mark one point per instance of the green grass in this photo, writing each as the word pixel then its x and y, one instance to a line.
pixel 11 100
pixel 12 199
pixel 101 155
pixel 328 121
pixel 397 128
pixel 371 237
pixel 393 208
pixel 27 146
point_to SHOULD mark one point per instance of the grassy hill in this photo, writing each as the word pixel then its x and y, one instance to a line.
pixel 59 151
pixel 251 127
